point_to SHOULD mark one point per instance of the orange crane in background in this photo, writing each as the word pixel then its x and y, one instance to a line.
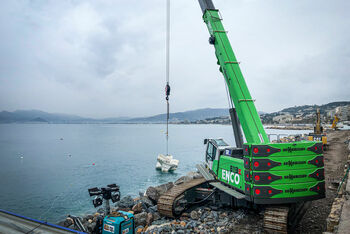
pixel 335 122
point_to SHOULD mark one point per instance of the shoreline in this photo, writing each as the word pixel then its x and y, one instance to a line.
pixel 206 218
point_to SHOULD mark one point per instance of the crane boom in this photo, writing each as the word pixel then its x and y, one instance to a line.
pixel 229 66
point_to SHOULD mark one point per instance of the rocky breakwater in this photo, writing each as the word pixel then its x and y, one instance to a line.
pixel 202 219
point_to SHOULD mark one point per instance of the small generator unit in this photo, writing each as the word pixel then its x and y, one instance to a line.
pixel 119 222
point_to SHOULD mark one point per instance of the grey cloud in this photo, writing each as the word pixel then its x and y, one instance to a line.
pixel 106 58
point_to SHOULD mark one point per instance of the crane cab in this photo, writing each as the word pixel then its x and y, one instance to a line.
pixel 213 148
pixel 225 162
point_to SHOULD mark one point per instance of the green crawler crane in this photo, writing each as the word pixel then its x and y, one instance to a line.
pixel 265 172
pixel 282 177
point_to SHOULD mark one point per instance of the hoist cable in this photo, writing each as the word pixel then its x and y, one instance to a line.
pixel 167 87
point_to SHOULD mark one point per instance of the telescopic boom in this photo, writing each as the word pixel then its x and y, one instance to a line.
pixel 229 66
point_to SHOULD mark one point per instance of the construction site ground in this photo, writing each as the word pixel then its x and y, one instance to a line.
pixel 315 219
pixel 336 156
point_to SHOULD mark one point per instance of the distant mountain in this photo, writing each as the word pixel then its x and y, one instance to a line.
pixel 27 116
pixel 183 116
pixel 37 116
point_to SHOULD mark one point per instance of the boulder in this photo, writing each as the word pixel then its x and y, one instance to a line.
pixel 156 216
pixel 137 208
pixel 140 219
pixel 90 227
pixel 155 192
pixel 126 209
pixel 68 222
pixel 194 215
pixel 146 202
pixel 152 209
pixel 159 221
pixel 126 202
pixel 161 228
pixel 139 229
pixel 87 217
pixel 149 219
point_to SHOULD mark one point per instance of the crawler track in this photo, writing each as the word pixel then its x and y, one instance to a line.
pixel 276 219
pixel 174 201
pixel 281 219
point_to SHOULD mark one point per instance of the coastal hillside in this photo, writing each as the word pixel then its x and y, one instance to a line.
pixel 297 114
pixel 305 114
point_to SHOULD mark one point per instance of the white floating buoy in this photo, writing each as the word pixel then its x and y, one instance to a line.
pixel 166 163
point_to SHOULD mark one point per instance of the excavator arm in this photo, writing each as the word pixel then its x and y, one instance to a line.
pixel 229 66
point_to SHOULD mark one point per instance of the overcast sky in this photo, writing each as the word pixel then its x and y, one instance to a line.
pixel 107 58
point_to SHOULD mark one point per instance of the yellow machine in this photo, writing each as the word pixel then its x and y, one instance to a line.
pixel 318 134
pixel 335 121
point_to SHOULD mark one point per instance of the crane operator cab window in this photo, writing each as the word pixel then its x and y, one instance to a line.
pixel 211 152
pixel 213 147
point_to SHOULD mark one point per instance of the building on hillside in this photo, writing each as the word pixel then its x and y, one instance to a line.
pixel 285 118
pixel 331 113
pixel 343 112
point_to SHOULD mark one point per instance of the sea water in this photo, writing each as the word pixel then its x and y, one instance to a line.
pixel 46 169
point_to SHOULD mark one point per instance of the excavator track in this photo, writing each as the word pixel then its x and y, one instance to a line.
pixel 174 201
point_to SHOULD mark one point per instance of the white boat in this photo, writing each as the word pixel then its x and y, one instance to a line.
pixel 166 163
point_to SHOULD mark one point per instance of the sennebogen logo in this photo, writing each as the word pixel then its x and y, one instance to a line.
pixel 290 149
pixel 292 163
pixel 291 190
pixel 292 177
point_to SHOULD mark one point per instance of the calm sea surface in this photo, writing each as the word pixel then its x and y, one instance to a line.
pixel 46 169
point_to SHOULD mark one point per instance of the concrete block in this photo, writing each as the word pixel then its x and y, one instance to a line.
pixel 334 216
pixel 344 223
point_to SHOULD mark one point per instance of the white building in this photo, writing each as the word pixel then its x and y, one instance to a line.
pixel 283 118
